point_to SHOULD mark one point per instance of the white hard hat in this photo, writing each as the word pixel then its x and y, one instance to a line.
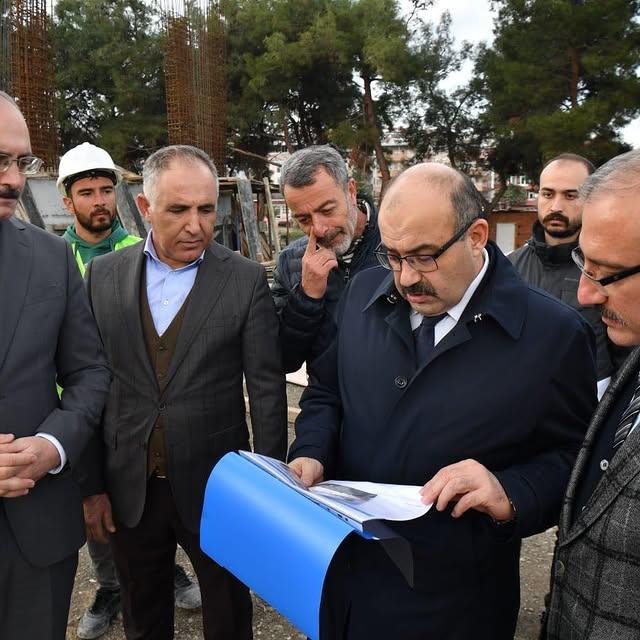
pixel 85 159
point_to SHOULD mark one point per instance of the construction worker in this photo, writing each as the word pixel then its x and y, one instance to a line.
pixel 87 181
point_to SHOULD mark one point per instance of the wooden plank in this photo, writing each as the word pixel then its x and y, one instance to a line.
pixel 249 222
pixel 273 225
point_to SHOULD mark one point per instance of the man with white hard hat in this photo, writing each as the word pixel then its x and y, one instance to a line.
pixel 87 181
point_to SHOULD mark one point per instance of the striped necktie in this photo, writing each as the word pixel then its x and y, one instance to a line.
pixel 424 337
pixel 628 418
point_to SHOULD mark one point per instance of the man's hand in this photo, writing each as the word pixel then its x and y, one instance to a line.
pixel 98 519
pixel 317 262
pixel 308 470
pixel 13 462
pixel 46 457
pixel 472 486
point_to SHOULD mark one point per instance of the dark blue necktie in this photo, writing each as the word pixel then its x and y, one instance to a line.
pixel 423 337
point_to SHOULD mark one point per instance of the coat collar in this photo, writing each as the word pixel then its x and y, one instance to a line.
pixel 550 255
pixel 501 295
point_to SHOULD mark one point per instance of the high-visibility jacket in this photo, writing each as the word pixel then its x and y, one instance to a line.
pixel 121 244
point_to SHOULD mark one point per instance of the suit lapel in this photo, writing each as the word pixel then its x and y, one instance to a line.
pixel 128 277
pixel 213 274
pixel 15 271
pixel 624 466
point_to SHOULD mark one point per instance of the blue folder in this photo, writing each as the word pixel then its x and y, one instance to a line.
pixel 274 540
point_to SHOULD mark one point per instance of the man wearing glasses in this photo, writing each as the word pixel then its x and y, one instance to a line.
pixel 47 332
pixel 596 575
pixel 447 369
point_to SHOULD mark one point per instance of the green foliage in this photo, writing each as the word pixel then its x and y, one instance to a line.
pixel 442 120
pixel 287 84
pixel 561 76
pixel 109 77
pixel 297 68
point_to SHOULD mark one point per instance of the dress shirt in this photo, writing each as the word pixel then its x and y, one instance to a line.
pixel 167 288
pixel 61 452
pixel 453 315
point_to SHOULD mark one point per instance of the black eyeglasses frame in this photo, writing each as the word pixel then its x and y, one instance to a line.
pixel 383 255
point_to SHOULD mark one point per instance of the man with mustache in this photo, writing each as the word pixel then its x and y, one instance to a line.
pixel 87 181
pixel 185 323
pixel 313 271
pixel 596 574
pixel 47 333
pixel 448 371
pixel 545 260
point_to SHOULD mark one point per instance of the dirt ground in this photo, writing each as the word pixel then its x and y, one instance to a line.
pixel 535 563
pixel 269 625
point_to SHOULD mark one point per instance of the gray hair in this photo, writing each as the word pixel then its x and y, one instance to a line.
pixel 621 173
pixel 301 167
pixel 467 202
pixel 5 96
pixel 161 159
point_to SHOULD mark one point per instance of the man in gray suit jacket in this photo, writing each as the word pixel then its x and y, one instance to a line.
pixel 596 573
pixel 46 332
pixel 182 319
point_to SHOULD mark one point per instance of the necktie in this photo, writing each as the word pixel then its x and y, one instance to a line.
pixel 628 418
pixel 423 337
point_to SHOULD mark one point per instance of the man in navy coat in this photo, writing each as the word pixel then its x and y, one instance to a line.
pixel 449 370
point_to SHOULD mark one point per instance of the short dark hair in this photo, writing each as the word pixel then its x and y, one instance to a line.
pixel 467 201
pixel 573 157
pixel 299 170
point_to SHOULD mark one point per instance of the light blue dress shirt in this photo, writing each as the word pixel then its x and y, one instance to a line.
pixel 167 288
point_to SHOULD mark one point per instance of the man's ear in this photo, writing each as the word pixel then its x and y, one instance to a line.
pixel 143 205
pixel 353 190
pixel 68 203
pixel 479 234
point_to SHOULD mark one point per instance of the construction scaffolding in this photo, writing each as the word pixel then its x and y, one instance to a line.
pixel 26 70
pixel 195 78
pixel 5 49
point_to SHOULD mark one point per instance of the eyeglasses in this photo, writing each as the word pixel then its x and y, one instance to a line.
pixel 27 165
pixel 578 258
pixel 419 262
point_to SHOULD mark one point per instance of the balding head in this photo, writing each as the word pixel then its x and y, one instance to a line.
pixel 14 142
pixel 433 211
pixel 466 202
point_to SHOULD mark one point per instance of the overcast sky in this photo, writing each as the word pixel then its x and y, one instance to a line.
pixel 472 20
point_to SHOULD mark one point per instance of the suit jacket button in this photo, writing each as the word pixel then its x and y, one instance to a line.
pixel 560 569
pixel 162 407
pixel 400 382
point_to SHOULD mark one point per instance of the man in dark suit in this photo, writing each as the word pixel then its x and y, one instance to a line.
pixel 46 331
pixel 182 319
pixel 596 574
pixel 448 370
